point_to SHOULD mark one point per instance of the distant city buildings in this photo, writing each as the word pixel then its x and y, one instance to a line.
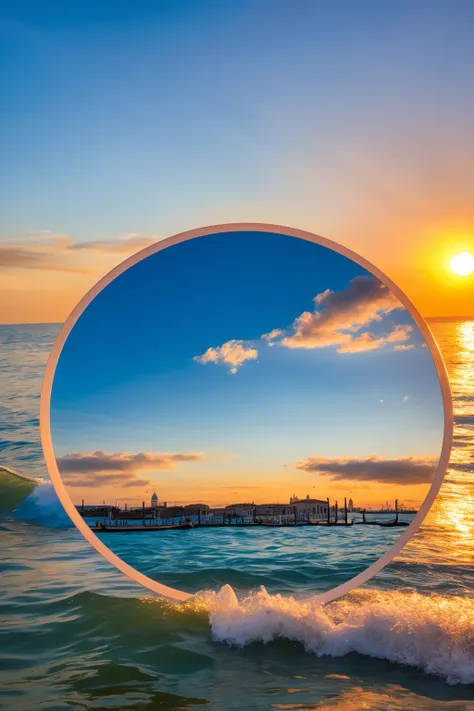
pixel 296 511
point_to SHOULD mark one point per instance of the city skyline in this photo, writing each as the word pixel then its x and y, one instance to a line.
pixel 137 504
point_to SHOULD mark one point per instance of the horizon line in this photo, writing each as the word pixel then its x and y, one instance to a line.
pixel 60 323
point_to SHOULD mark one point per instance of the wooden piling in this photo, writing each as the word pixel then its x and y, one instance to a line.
pixel 329 511
pixel 345 510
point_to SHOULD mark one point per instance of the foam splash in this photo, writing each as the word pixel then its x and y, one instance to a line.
pixel 433 633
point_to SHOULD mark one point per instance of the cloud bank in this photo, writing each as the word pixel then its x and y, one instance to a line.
pixel 402 471
pixel 99 468
pixel 55 251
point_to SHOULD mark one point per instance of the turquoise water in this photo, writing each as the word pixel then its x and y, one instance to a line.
pixel 76 634
pixel 290 561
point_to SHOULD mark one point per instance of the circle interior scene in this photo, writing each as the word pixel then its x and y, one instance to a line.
pixel 247 408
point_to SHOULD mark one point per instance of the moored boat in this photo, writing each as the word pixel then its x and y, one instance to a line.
pixel 107 528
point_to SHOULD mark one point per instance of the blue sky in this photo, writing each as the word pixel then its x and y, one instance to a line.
pixel 349 119
pixel 129 378
pixel 124 109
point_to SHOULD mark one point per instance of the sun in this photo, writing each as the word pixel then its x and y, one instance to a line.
pixel 462 264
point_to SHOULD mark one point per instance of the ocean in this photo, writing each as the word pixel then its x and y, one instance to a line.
pixel 77 634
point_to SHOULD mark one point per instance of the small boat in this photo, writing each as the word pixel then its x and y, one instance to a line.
pixel 385 524
pixel 105 528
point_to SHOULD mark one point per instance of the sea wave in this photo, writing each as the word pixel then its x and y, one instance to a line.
pixel 430 632
pixel 31 499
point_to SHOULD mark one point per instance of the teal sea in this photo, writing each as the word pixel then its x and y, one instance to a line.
pixel 77 634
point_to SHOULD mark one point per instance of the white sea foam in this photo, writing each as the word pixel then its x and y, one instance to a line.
pixel 13 475
pixel 433 633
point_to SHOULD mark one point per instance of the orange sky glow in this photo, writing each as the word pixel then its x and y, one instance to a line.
pixel 417 259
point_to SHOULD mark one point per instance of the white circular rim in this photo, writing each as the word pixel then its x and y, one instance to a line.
pixel 46 389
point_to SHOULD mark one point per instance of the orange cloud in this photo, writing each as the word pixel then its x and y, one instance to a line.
pixel 233 353
pixel 368 342
pixel 53 254
pixel 101 461
pixel 338 316
pixel 44 275
pixel 336 321
pixel 404 348
pixel 402 471
pixel 270 337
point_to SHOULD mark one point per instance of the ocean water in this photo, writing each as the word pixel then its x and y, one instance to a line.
pixel 77 634
pixel 298 562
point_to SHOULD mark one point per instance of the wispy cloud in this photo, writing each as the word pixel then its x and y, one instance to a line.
pixel 402 471
pixel 31 258
pixel 101 461
pixel 368 341
pixel 239 488
pixel 233 354
pixel 404 347
pixel 54 252
pixel 122 245
pixel 273 335
pixel 97 480
pixel 101 468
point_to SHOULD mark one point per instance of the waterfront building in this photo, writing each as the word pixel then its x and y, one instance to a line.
pixel 240 513
pixel 274 514
pixel 197 513
pixel 217 515
pixel 309 509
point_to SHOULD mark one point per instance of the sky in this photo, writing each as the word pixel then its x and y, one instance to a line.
pixel 246 366
pixel 124 123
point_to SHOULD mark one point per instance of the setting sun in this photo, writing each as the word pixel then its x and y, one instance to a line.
pixel 463 264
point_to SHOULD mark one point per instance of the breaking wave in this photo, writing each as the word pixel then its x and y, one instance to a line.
pixel 430 632
pixel 433 633
pixel 31 499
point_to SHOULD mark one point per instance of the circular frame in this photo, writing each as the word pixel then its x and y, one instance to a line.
pixel 46 389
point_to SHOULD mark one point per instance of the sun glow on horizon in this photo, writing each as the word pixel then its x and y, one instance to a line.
pixel 462 264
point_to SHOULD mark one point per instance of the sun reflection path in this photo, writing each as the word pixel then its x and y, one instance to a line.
pixel 447 534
